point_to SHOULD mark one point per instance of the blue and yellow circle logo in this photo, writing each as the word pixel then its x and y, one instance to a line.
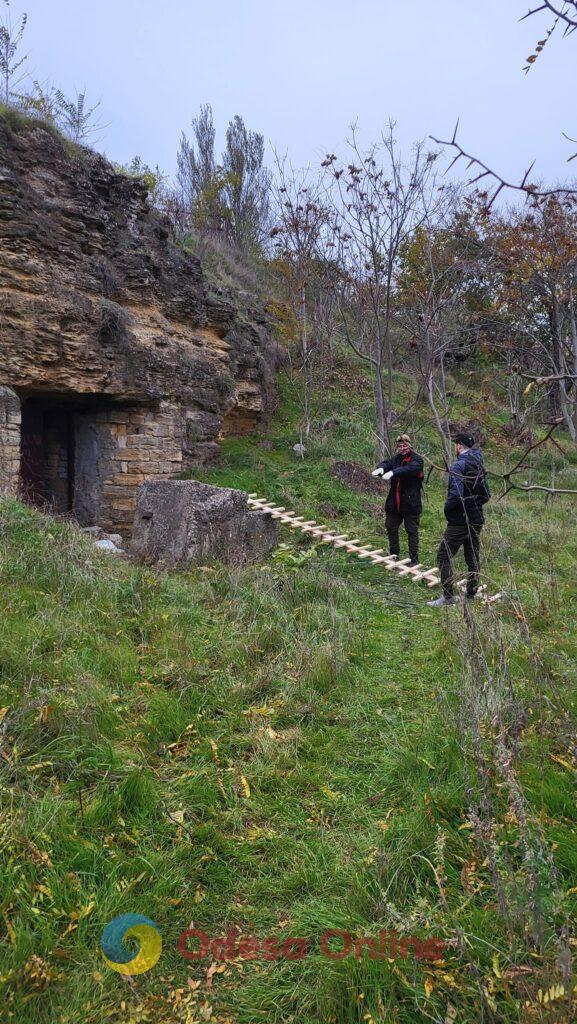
pixel 122 959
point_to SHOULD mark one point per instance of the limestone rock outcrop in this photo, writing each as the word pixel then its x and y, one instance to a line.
pixel 122 362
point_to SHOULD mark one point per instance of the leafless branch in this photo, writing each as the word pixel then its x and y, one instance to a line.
pixel 500 183
pixel 552 377
pixel 506 477
pixel 566 12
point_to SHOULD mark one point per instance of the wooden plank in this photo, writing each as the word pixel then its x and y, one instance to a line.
pixel 410 570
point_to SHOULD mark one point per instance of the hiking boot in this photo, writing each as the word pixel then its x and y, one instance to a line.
pixel 443 602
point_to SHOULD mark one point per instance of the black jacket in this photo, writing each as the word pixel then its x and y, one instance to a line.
pixel 468 489
pixel 404 496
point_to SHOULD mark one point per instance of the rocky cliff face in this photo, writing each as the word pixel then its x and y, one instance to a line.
pixel 126 364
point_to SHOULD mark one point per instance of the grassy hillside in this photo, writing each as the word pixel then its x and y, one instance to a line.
pixel 289 748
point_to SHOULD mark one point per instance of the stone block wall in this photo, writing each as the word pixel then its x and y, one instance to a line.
pixel 91 459
pixel 117 449
pixel 10 420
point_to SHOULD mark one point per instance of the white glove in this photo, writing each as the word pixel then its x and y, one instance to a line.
pixel 388 476
pixel 377 472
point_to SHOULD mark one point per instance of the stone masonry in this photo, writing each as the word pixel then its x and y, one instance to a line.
pixel 10 419
pixel 142 444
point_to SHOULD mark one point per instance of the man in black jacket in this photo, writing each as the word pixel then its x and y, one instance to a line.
pixel 403 505
pixel 467 492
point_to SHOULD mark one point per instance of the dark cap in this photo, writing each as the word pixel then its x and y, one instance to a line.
pixel 465 439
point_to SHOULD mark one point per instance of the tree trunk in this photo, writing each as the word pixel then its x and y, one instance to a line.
pixel 305 353
pixel 380 407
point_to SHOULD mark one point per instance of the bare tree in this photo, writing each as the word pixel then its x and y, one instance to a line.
pixel 376 206
pixel 76 117
pixel 437 273
pixel 10 39
pixel 196 164
pixel 247 185
pixel 301 216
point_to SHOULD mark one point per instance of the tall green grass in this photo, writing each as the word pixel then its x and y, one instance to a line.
pixel 284 749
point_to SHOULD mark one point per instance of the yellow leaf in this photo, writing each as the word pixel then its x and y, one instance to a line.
pixel 43 889
pixel 199 894
pixel 86 910
pixel 562 761
pixel 245 786
pixel 177 817
pixel 449 979
pixel 331 793
pixel 496 966
pixel 429 987
pixel 3 713
pixel 254 833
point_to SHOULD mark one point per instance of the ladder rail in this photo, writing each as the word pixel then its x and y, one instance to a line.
pixel 353 546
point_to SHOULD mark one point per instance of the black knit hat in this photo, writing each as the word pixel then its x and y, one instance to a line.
pixel 465 439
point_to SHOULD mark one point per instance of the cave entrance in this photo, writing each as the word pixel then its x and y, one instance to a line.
pixel 66 453
pixel 47 455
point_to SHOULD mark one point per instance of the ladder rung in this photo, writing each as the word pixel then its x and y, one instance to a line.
pixel 410 570
pixel 354 546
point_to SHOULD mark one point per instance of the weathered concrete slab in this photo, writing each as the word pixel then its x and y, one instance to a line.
pixel 188 522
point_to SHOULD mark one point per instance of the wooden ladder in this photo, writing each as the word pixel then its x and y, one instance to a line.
pixel 354 547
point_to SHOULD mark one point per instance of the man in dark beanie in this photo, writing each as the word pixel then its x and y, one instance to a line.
pixel 468 491
pixel 403 504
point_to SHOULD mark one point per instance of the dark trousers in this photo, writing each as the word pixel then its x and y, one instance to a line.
pixel 393 521
pixel 466 535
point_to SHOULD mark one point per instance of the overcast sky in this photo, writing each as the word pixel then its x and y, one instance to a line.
pixel 300 71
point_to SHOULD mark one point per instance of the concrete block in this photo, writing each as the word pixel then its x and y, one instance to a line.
pixel 188 522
